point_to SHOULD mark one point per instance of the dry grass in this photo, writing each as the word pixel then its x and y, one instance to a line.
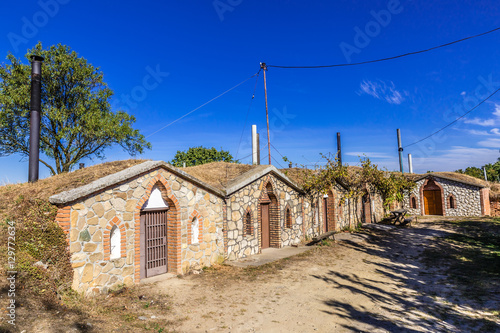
pixel 217 174
pixel 47 187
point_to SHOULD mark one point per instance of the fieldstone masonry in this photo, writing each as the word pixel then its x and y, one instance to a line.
pixel 467 198
pixel 204 224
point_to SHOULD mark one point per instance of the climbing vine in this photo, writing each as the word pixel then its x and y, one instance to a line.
pixel 358 181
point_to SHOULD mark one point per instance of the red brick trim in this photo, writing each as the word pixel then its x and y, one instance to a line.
pixel 63 220
pixel 194 215
pixel 173 227
pixel 107 241
pixel 422 206
pixel 484 195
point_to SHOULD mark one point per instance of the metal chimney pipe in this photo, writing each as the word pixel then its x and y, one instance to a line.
pixel 400 150
pixel 35 108
pixel 410 164
pixel 485 176
pixel 254 145
pixel 339 149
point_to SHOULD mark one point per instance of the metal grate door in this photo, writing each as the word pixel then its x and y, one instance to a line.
pixel 154 224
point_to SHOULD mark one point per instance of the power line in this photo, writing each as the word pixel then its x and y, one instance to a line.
pixel 248 111
pixel 277 162
pixel 454 121
pixel 199 107
pixel 390 58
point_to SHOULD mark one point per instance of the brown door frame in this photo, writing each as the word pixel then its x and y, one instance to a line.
pixel 156 236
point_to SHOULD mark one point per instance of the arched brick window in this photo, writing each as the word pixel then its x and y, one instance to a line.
pixel 288 218
pixel 248 224
pixel 195 231
pixel 115 239
pixel 413 202
pixel 451 202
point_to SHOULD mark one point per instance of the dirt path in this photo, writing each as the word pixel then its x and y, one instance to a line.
pixel 371 282
pixel 371 285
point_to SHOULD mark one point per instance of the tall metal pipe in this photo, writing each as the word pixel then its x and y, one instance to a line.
pixel 339 149
pixel 410 164
pixel 254 145
pixel 400 150
pixel 35 108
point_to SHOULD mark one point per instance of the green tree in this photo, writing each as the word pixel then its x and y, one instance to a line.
pixel 201 155
pixel 76 116
pixel 492 171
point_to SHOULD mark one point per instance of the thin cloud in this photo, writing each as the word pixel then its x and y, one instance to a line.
pixel 494 120
pixel 383 91
pixel 458 157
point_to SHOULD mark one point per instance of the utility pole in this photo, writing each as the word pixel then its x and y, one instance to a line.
pixel 400 149
pixel 264 69
pixel 35 110
pixel 339 149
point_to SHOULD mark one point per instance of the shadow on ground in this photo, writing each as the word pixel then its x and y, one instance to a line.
pixel 421 295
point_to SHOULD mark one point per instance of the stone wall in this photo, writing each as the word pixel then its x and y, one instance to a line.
pixel 495 207
pixel 466 198
pixel 241 243
pixel 91 220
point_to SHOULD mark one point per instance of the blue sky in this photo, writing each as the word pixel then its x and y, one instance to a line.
pixel 186 53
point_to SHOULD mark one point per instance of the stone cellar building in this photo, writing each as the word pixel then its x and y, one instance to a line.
pixel 153 218
pixel 448 194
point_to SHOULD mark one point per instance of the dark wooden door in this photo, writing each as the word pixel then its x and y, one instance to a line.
pixel 266 232
pixel 325 214
pixel 433 202
pixel 153 242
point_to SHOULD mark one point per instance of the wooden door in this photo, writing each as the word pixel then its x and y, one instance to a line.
pixel 433 202
pixel 325 214
pixel 153 242
pixel 367 208
pixel 265 229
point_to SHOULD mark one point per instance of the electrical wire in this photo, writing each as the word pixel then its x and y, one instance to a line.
pixel 249 155
pixel 454 121
pixel 248 111
pixel 199 107
pixel 277 162
pixel 389 58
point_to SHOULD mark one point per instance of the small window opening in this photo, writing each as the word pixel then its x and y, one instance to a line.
pixel 115 242
pixel 452 202
pixel 413 202
pixel 288 218
pixel 248 223
pixel 195 231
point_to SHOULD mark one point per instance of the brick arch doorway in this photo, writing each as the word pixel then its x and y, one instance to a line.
pixel 432 195
pixel 158 217
pixel 269 219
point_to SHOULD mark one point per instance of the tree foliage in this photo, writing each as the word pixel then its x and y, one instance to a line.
pixel 76 116
pixel 201 155
pixel 492 171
